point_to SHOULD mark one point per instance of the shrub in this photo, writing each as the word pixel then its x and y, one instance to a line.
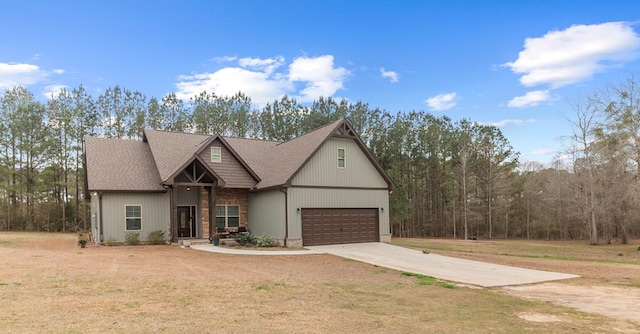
pixel 245 239
pixel 252 240
pixel 132 238
pixel 265 241
pixel 111 241
pixel 156 237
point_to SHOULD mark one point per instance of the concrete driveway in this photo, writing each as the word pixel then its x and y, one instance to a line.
pixel 438 266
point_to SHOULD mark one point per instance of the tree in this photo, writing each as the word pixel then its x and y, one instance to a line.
pixel 585 126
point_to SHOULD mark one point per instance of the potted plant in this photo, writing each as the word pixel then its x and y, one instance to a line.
pixel 82 240
pixel 215 238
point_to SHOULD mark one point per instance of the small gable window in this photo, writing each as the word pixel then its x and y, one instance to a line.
pixel 216 154
pixel 133 217
pixel 342 157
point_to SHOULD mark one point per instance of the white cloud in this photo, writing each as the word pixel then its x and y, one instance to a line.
pixel 391 75
pixel 13 74
pixel 262 80
pixel 505 122
pixel 224 59
pixel 543 151
pixel 265 65
pixel 53 90
pixel 563 57
pixel 529 99
pixel 260 86
pixel 319 74
pixel 441 102
pixel 23 74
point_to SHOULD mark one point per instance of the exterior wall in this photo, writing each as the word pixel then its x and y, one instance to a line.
pixel 322 169
pixel 267 214
pixel 336 198
pixel 229 169
pixel 235 197
pixel 155 213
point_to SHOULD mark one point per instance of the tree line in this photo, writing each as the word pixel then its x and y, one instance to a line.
pixel 458 179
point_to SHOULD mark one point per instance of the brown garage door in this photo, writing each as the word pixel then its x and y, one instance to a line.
pixel 339 226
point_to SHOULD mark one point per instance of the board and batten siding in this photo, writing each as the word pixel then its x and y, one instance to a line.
pixel 156 213
pixel 229 169
pixel 322 169
pixel 267 213
pixel 335 198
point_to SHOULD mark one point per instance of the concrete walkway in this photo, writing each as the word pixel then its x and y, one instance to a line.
pixel 413 261
pixel 438 266
pixel 229 250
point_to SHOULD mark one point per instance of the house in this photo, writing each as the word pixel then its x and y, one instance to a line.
pixel 323 187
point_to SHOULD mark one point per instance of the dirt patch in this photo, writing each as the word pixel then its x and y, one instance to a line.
pixel 539 317
pixel 614 302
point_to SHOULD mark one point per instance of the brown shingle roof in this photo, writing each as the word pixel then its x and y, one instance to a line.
pixel 162 154
pixel 124 165
pixel 172 149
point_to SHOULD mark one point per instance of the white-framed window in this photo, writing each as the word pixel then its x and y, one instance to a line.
pixel 216 154
pixel 342 157
pixel 133 217
pixel 227 216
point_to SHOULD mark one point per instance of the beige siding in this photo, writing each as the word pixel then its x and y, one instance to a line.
pixel 335 198
pixel 229 169
pixel 155 213
pixel 322 169
pixel 266 213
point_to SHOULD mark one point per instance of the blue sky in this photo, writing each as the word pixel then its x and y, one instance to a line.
pixel 515 64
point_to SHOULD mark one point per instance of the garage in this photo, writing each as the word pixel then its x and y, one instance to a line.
pixel 339 226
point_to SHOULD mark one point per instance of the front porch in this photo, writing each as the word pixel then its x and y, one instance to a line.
pixel 193 219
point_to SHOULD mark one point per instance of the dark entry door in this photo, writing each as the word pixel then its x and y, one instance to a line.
pixel 187 221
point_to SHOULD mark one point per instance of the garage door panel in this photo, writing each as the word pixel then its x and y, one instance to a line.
pixel 336 226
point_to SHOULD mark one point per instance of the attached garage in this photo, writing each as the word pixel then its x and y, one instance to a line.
pixel 339 226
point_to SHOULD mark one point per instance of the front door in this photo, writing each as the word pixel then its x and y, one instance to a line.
pixel 187 221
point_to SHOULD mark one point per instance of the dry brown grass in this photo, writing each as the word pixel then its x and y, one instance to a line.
pixel 48 284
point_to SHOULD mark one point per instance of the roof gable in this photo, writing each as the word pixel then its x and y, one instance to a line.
pixel 227 168
pixel 171 150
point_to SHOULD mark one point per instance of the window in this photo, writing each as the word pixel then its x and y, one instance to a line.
pixel 133 217
pixel 342 158
pixel 216 154
pixel 227 216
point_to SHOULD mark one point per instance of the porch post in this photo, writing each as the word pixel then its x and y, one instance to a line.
pixel 212 208
pixel 174 213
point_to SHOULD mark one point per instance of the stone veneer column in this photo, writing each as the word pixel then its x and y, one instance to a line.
pixel 205 212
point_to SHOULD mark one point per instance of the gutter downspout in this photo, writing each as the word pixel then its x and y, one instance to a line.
pixel 100 213
pixel 286 215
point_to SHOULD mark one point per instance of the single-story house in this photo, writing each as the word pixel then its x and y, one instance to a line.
pixel 323 187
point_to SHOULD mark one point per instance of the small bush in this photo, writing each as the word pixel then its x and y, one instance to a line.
pixel 245 239
pixel 265 241
pixel 111 241
pixel 252 240
pixel 156 237
pixel 132 238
